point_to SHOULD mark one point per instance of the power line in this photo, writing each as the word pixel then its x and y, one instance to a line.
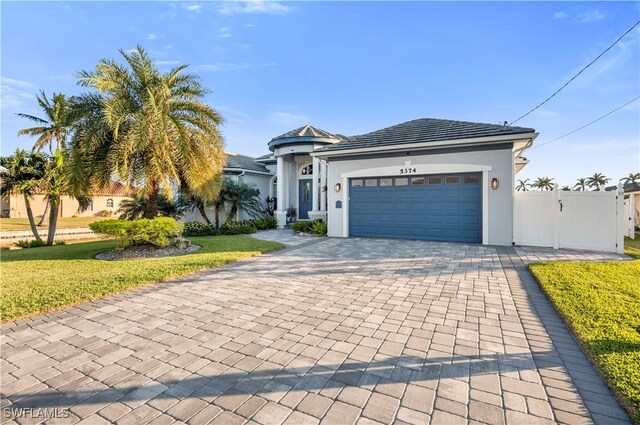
pixel 575 76
pixel 588 124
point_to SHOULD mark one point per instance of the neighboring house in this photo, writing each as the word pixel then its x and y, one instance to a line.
pixel 631 188
pixel 428 179
pixel 245 169
pixel 105 202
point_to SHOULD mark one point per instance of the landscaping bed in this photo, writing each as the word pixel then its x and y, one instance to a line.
pixel 36 280
pixel 600 302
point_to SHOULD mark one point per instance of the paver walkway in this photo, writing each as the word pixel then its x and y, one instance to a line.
pixel 338 331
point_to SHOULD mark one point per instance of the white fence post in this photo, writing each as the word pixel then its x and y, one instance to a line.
pixel 556 216
pixel 632 216
pixel 620 219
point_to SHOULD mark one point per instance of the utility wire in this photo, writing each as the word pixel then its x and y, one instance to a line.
pixel 588 124
pixel 575 76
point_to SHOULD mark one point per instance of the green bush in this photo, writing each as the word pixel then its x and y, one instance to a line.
pixel 302 226
pixel 319 228
pixel 266 223
pixel 195 228
pixel 36 243
pixel 159 231
pixel 59 242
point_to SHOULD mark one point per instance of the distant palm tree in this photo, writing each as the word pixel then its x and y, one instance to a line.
pixel 543 183
pixel 631 178
pixel 241 196
pixel 159 132
pixel 523 185
pixel 190 199
pixel 597 180
pixel 134 208
pixel 581 184
pixel 22 175
pixel 56 126
pixel 566 188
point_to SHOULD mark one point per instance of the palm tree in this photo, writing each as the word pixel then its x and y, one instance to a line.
pixel 22 175
pixel 156 130
pixel 191 199
pixel 523 185
pixel 56 126
pixel 597 180
pixel 134 208
pixel 631 178
pixel 543 183
pixel 581 184
pixel 241 196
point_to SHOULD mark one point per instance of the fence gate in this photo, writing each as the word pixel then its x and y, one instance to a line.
pixel 563 219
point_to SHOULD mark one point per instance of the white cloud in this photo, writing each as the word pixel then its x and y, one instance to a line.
pixel 592 15
pixel 167 63
pixel 153 36
pixel 287 119
pixel 17 95
pixel 559 15
pixel 268 7
pixel 249 25
pixel 192 7
pixel 60 77
pixel 223 66
pixel 224 32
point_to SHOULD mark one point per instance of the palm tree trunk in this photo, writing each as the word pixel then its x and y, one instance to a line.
pixel 44 214
pixel 203 213
pixel 32 222
pixel 53 219
pixel 216 209
pixel 151 210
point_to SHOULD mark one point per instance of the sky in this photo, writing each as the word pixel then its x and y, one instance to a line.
pixel 355 67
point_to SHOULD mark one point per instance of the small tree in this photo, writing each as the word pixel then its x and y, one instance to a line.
pixel 240 196
pixel 134 208
pixel 581 184
pixel 523 185
pixel 23 175
pixel 631 178
pixel 597 180
pixel 543 183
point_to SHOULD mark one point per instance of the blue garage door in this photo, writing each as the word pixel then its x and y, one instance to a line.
pixel 443 207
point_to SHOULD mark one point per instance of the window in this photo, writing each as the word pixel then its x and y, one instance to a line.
pixel 417 181
pixel 402 181
pixel 453 179
pixel 435 180
pixel 471 179
pixel 90 205
pixel 371 182
pixel 386 182
pixel 356 183
pixel 109 203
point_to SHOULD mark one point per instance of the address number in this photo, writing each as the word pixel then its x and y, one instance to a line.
pixel 408 171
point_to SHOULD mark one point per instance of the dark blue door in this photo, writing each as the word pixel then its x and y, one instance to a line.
pixel 304 199
pixel 444 207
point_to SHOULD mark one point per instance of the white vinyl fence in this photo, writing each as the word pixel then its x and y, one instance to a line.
pixel 631 216
pixel 563 219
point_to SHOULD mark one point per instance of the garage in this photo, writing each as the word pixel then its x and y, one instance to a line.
pixel 442 207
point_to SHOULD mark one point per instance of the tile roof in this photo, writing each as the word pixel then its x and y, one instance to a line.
pixel 424 130
pixel 244 162
pixel 307 131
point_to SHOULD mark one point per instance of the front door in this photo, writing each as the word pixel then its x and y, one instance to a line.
pixel 304 199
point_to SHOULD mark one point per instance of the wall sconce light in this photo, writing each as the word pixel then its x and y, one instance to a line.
pixel 495 183
pixel 337 187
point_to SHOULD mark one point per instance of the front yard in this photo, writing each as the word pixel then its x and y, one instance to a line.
pixel 600 302
pixel 36 280
pixel 8 224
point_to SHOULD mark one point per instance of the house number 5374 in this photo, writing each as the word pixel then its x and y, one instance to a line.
pixel 407 171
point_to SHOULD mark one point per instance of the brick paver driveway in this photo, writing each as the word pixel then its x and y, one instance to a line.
pixel 338 331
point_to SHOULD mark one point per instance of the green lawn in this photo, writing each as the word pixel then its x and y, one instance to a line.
pixel 600 302
pixel 35 280
pixel 7 224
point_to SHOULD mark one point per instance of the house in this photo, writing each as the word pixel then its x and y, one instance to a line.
pixel 247 169
pixel 105 202
pixel 631 188
pixel 428 179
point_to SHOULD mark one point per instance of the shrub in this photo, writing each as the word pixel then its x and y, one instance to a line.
pixel 195 228
pixel 301 226
pixel 59 242
pixel 106 213
pixel 36 243
pixel 161 231
pixel 319 228
pixel 266 223
pixel 74 216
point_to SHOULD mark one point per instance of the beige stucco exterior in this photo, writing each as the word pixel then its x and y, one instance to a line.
pixel 14 206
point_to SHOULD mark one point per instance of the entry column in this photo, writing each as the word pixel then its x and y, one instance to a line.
pixel 281 214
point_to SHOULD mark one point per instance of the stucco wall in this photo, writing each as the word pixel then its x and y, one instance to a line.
pixel 500 205
pixel 68 206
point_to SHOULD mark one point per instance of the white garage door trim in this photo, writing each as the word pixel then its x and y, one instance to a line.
pixel 419 169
